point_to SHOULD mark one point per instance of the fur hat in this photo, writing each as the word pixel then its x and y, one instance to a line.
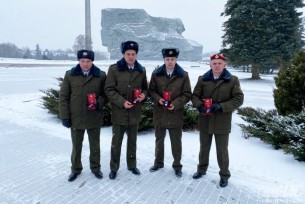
pixel 129 45
pixel 170 52
pixel 89 54
pixel 218 56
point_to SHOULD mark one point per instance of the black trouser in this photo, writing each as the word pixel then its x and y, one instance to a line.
pixel 175 135
pixel 222 141
pixel 116 144
pixel 77 136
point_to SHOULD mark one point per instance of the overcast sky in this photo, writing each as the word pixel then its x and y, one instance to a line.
pixel 55 24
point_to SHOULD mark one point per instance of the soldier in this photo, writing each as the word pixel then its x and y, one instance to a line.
pixel 170 90
pixel 81 100
pixel 220 90
pixel 126 88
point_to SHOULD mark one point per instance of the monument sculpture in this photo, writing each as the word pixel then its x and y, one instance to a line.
pixel 152 34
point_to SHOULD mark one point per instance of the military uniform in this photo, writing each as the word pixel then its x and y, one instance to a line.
pixel 179 85
pixel 119 87
pixel 73 104
pixel 227 93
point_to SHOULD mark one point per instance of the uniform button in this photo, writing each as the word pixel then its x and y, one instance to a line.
pixel 128 85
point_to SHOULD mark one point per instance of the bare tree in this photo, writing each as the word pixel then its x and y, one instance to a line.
pixel 80 43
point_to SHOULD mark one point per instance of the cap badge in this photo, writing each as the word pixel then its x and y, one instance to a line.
pixel 85 53
pixel 170 52
pixel 131 44
pixel 216 56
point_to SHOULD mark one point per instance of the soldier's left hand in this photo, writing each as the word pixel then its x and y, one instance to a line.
pixel 171 107
pixel 66 122
pixel 216 108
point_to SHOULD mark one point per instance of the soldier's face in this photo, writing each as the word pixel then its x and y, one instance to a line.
pixel 170 62
pixel 217 66
pixel 85 64
pixel 130 57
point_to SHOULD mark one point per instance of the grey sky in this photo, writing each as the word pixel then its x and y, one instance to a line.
pixel 56 23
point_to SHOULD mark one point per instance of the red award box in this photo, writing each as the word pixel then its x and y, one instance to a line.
pixel 136 94
pixel 207 106
pixel 91 101
pixel 167 98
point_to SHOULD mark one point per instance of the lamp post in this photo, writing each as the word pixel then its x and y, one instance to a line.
pixel 88 42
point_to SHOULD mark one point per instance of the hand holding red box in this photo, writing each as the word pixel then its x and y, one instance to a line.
pixel 91 101
pixel 207 102
pixel 136 94
pixel 167 98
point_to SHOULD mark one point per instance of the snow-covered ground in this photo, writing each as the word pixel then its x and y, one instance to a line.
pixel 35 152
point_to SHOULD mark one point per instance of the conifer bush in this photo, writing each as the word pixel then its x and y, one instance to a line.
pixel 50 99
pixel 289 96
pixel 261 124
pixel 190 116
pixel 283 128
pixel 282 132
pixel 146 122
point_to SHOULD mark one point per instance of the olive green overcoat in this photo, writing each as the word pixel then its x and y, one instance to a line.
pixel 179 86
pixel 119 87
pixel 227 92
pixel 73 102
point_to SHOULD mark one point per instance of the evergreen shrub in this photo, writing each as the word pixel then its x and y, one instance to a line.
pixel 289 96
pixel 282 132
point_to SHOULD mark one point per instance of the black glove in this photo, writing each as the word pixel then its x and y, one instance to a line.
pixel 66 122
pixel 216 108
pixel 200 108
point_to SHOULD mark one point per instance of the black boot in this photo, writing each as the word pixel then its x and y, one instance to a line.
pixel 98 174
pixel 135 171
pixel 223 183
pixel 154 168
pixel 73 176
pixel 112 175
pixel 178 173
pixel 198 175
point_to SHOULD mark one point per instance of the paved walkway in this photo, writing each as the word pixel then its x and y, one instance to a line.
pixel 35 166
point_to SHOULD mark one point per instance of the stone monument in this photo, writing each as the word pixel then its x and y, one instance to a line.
pixel 152 34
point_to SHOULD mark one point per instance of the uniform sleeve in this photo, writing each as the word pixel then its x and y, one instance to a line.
pixel 236 100
pixel 186 93
pixel 145 85
pixel 197 93
pixel 152 89
pixel 64 98
pixel 102 99
pixel 111 91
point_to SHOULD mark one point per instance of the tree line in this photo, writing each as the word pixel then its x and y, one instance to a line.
pixel 10 50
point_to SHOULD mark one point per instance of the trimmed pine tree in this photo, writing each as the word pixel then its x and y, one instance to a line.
pixel 289 96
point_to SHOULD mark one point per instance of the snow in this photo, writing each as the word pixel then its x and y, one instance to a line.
pixel 35 151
